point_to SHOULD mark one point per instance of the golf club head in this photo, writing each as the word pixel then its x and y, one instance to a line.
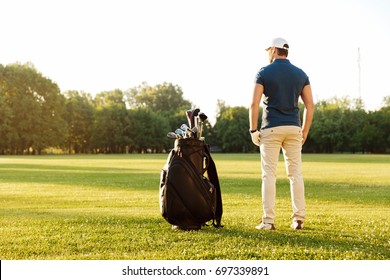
pixel 188 131
pixel 195 113
pixel 202 116
pixel 180 132
pixel 172 135
pixel 184 127
pixel 195 131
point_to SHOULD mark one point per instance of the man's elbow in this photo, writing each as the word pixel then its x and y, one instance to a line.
pixel 310 107
pixel 253 106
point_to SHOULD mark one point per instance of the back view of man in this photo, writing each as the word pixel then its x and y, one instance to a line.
pixel 279 85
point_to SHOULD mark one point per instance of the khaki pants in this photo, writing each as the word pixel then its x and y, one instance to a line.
pixel 289 138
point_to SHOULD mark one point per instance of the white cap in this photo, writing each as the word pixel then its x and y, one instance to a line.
pixel 278 43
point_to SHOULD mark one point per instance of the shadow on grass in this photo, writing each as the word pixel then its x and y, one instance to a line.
pixel 309 244
pixel 312 243
pixel 347 158
pixel 67 168
pixel 67 235
pixel 81 176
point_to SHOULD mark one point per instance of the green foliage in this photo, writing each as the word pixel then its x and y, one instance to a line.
pixel 110 130
pixel 339 126
pixel 231 129
pixel 148 130
pixel 79 117
pixel 6 131
pixel 164 97
pixel 35 116
pixel 113 98
pixel 106 207
pixel 386 101
pixel 35 109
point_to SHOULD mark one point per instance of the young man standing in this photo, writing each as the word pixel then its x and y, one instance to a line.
pixel 279 85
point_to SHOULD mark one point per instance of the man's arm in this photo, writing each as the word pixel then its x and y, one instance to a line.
pixel 307 98
pixel 254 107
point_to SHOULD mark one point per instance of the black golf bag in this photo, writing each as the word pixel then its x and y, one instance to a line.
pixel 190 194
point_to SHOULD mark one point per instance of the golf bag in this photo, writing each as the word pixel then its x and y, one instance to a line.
pixel 190 193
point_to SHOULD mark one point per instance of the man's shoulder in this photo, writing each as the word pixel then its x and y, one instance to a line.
pixel 296 68
pixel 266 68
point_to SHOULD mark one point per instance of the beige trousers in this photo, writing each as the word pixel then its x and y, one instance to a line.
pixel 289 138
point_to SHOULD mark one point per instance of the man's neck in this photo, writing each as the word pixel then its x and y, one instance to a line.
pixel 279 57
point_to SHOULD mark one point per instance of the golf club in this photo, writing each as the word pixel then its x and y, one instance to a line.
pixel 202 118
pixel 189 116
pixel 172 135
pixel 188 131
pixel 194 117
pixel 180 133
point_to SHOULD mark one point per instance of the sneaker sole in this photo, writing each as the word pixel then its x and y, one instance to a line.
pixel 299 225
pixel 262 228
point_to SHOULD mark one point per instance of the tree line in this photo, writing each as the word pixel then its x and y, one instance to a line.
pixel 36 117
pixel 339 126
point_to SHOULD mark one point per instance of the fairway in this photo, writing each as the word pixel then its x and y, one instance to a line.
pixel 106 207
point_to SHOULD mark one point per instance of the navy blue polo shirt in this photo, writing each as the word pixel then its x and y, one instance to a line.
pixel 283 83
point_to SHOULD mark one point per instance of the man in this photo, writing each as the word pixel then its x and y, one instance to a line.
pixel 280 84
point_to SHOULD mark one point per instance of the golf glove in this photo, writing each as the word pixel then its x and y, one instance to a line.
pixel 255 137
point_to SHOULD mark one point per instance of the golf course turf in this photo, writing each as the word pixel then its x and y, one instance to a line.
pixel 107 207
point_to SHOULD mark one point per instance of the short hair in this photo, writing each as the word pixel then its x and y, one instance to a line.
pixel 283 52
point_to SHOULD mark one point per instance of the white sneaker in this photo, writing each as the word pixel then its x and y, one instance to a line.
pixel 297 225
pixel 265 226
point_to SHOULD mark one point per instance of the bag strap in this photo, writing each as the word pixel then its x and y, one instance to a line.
pixel 213 177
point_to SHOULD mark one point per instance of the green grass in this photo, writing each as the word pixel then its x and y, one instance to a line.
pixel 106 207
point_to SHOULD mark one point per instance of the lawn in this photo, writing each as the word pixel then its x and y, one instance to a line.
pixel 106 207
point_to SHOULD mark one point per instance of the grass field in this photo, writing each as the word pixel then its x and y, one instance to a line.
pixel 106 207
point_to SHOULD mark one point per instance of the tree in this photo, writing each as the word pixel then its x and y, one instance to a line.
pixel 231 130
pixel 6 131
pixel 221 108
pixel 351 127
pixel 164 97
pixel 166 100
pixel 148 131
pixel 111 123
pixel 325 132
pixel 80 113
pixel 358 104
pixel 35 109
pixel 110 98
pixel 341 127
pixel 376 132
pixel 384 124
pixel 386 101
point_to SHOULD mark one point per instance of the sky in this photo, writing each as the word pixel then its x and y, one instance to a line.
pixel 211 49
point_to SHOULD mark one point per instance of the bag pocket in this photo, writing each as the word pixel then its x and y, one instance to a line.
pixel 186 189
